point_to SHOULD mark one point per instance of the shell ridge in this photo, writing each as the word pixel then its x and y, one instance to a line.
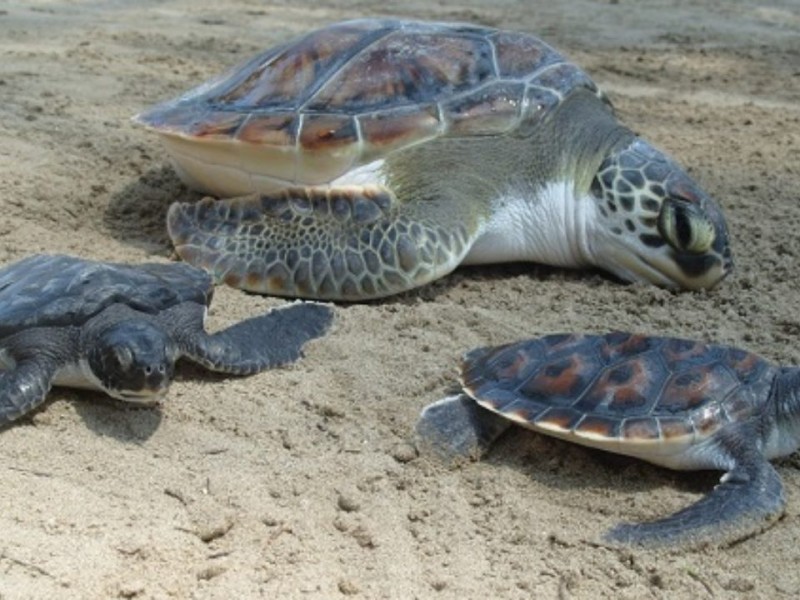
pixel 601 409
pixel 770 393
pixel 493 52
pixel 549 66
pixel 596 341
pixel 665 380
pixel 534 369
pixel 334 69
pixel 653 401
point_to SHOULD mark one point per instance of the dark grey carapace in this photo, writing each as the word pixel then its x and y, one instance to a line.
pixel 677 403
pixel 384 153
pixel 120 328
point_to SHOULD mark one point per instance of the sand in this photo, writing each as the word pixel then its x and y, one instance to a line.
pixel 301 482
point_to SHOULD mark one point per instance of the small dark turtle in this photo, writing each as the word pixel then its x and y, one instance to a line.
pixel 388 152
pixel 120 328
pixel 677 403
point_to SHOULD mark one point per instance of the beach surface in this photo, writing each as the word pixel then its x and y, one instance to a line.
pixel 302 482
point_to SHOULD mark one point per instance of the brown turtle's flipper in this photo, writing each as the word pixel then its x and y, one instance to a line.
pixel 747 500
pixel 345 243
pixel 457 427
pixel 271 340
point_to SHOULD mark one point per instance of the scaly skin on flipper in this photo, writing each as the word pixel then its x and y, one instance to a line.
pixel 748 499
pixel 338 244
pixel 252 345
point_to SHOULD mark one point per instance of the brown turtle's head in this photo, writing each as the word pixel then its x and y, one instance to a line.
pixel 655 224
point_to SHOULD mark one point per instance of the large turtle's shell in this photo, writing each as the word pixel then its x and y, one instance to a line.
pixel 309 110
pixel 58 290
pixel 632 394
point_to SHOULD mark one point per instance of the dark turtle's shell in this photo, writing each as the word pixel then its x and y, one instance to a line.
pixel 311 109
pixel 619 390
pixel 57 290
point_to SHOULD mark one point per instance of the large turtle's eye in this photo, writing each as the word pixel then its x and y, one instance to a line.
pixel 685 227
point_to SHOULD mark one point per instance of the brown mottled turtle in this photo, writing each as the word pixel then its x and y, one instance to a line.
pixel 677 403
pixel 384 153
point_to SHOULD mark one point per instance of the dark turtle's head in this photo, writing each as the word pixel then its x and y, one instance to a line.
pixel 134 361
pixel 655 224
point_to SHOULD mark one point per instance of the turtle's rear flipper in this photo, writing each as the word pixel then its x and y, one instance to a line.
pixel 254 344
pixel 746 501
pixel 341 243
pixel 457 427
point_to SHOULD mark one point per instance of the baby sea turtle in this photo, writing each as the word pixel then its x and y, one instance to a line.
pixel 384 153
pixel 120 329
pixel 677 403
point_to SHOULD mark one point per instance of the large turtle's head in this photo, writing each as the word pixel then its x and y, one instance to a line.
pixel 133 361
pixel 655 224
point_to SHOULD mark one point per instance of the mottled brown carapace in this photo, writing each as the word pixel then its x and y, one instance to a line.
pixel 619 386
pixel 378 85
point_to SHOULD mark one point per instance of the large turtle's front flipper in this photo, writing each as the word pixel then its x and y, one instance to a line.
pixel 456 426
pixel 346 243
pixel 748 498
pixel 250 346
pixel 25 386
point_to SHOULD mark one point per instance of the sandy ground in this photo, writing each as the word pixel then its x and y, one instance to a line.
pixel 301 482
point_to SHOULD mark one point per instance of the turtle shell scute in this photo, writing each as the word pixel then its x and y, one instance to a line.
pixel 59 290
pixel 378 85
pixel 630 387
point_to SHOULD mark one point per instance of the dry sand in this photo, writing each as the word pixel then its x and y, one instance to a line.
pixel 300 482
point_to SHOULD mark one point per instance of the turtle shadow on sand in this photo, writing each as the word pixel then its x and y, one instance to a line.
pixel 137 213
pixel 125 423
pixel 566 466
pixel 490 274
pixel 103 415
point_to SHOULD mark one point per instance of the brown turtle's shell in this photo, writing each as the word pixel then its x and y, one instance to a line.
pixel 626 393
pixel 349 93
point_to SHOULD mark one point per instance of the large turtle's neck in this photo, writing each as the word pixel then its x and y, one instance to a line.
pixel 587 132
pixel 785 398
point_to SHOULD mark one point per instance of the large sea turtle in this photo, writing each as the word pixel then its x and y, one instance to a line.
pixel 120 328
pixel 677 403
pixel 384 153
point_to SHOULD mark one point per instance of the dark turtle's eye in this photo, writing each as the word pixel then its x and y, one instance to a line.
pixel 685 227
pixel 124 357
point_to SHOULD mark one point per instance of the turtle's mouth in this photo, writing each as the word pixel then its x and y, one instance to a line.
pixel 144 397
pixel 666 270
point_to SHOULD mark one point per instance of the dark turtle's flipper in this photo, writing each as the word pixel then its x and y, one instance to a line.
pixel 748 498
pixel 25 387
pixel 456 426
pixel 31 361
pixel 253 345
